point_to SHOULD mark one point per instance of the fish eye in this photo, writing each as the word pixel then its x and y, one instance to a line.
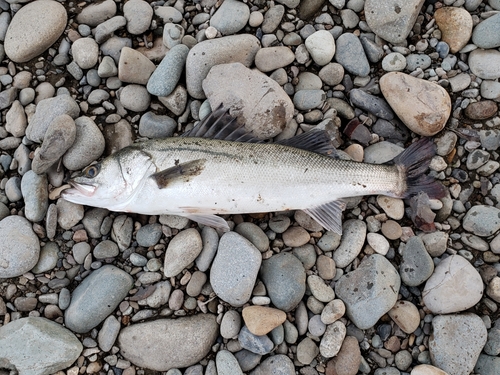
pixel 92 171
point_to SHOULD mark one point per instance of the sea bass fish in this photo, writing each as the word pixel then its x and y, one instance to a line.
pixel 219 168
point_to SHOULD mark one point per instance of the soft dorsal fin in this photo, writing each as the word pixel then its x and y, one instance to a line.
pixel 316 141
pixel 329 215
pixel 183 172
pixel 220 124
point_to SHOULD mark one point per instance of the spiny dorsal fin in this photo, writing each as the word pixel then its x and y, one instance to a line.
pixel 220 124
pixel 180 172
pixel 316 141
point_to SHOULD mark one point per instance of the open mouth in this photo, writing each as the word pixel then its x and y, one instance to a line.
pixel 84 189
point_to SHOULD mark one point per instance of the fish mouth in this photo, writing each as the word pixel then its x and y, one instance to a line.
pixel 84 189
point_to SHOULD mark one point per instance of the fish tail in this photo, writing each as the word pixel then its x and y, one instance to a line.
pixel 414 161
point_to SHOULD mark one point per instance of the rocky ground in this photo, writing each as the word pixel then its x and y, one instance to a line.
pixel 410 287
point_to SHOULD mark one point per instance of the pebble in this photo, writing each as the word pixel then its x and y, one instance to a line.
pixel 106 249
pixel 392 21
pixel 394 62
pixel 230 324
pixel 487 365
pixel 260 320
pixel 378 242
pixel 47 346
pixel 21 46
pixel 369 291
pixel 138 14
pixel 331 74
pixel 485 34
pixel 166 76
pixel 285 280
pixel 94 14
pixel 250 94
pixel 417 265
pixel 48 258
pixel 321 47
pixel 149 235
pixel 482 220
pixel 309 99
pixel 331 342
pixel 279 362
pixel 456 342
pixel 423 106
pixel 134 67
pixel 182 251
pixel 351 243
pixel 106 30
pixel 227 364
pixel 85 52
pixel 493 289
pixel 96 297
pixel 415 61
pixel 210 241
pixel 442 293
pixel 20 249
pixel 455 24
pixel 35 195
pixel 247 360
pixel 348 359
pixel 481 110
pixel 88 146
pixel 272 18
pixel 47 110
pixel 135 98
pixel 405 314
pixel 68 213
pixel 306 351
pixel 231 17
pixel 319 289
pixel 372 104
pixel 152 125
pixel 108 333
pixel 485 63
pixel 15 119
pixel 254 234
pixel 209 53
pixel 234 269
pixel 255 344
pixel 271 58
pixel 178 343
pixel 333 311
pixel 351 56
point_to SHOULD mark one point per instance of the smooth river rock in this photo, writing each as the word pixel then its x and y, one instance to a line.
pixel 455 24
pixel 21 45
pixel 423 106
pixel 169 343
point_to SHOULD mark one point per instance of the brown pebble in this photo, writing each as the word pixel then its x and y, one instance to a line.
pixel 25 303
pixel 52 312
pixel 481 110
pixel 347 360
pixel 393 344
pixel 326 267
pixel 295 236
pixel 260 320
pixel 392 230
pixel 80 236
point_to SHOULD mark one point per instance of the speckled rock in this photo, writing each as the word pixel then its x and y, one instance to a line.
pixel 423 106
pixel 482 220
pixel 455 24
pixel 181 251
pixel 20 45
pixel 19 248
pixel 169 343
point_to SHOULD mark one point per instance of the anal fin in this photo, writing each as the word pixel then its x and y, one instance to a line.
pixel 209 220
pixel 180 172
pixel 329 215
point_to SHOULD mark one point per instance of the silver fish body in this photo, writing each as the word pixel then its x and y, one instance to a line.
pixel 201 177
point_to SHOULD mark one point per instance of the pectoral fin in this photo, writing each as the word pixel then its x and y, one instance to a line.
pixel 209 220
pixel 183 172
pixel 329 215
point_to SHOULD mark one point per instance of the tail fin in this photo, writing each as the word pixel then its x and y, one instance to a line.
pixel 415 162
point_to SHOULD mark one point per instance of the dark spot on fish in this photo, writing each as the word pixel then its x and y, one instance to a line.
pixel 369 286
pixel 305 170
pixel 176 162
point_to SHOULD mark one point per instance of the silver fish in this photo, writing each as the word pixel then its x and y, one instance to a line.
pixel 218 168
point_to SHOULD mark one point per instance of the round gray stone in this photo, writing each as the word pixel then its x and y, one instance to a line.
pixel 417 265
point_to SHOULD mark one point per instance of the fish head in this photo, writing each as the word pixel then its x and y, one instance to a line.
pixel 113 182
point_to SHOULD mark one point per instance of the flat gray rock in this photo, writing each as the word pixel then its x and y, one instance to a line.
pixel 46 347
pixel 485 63
pixel 417 265
pixel 456 342
pixel 166 76
pixel 181 251
pixel 234 269
pixel 482 220
pixel 169 343
pixel 487 33
pixel 97 297
pixel 369 291
pixel 19 248
pixel 204 55
pixel 256 99
pixel 47 110
pixel 285 280
pixel 351 55
pixel 231 17
pixel 351 242
pixel 392 20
